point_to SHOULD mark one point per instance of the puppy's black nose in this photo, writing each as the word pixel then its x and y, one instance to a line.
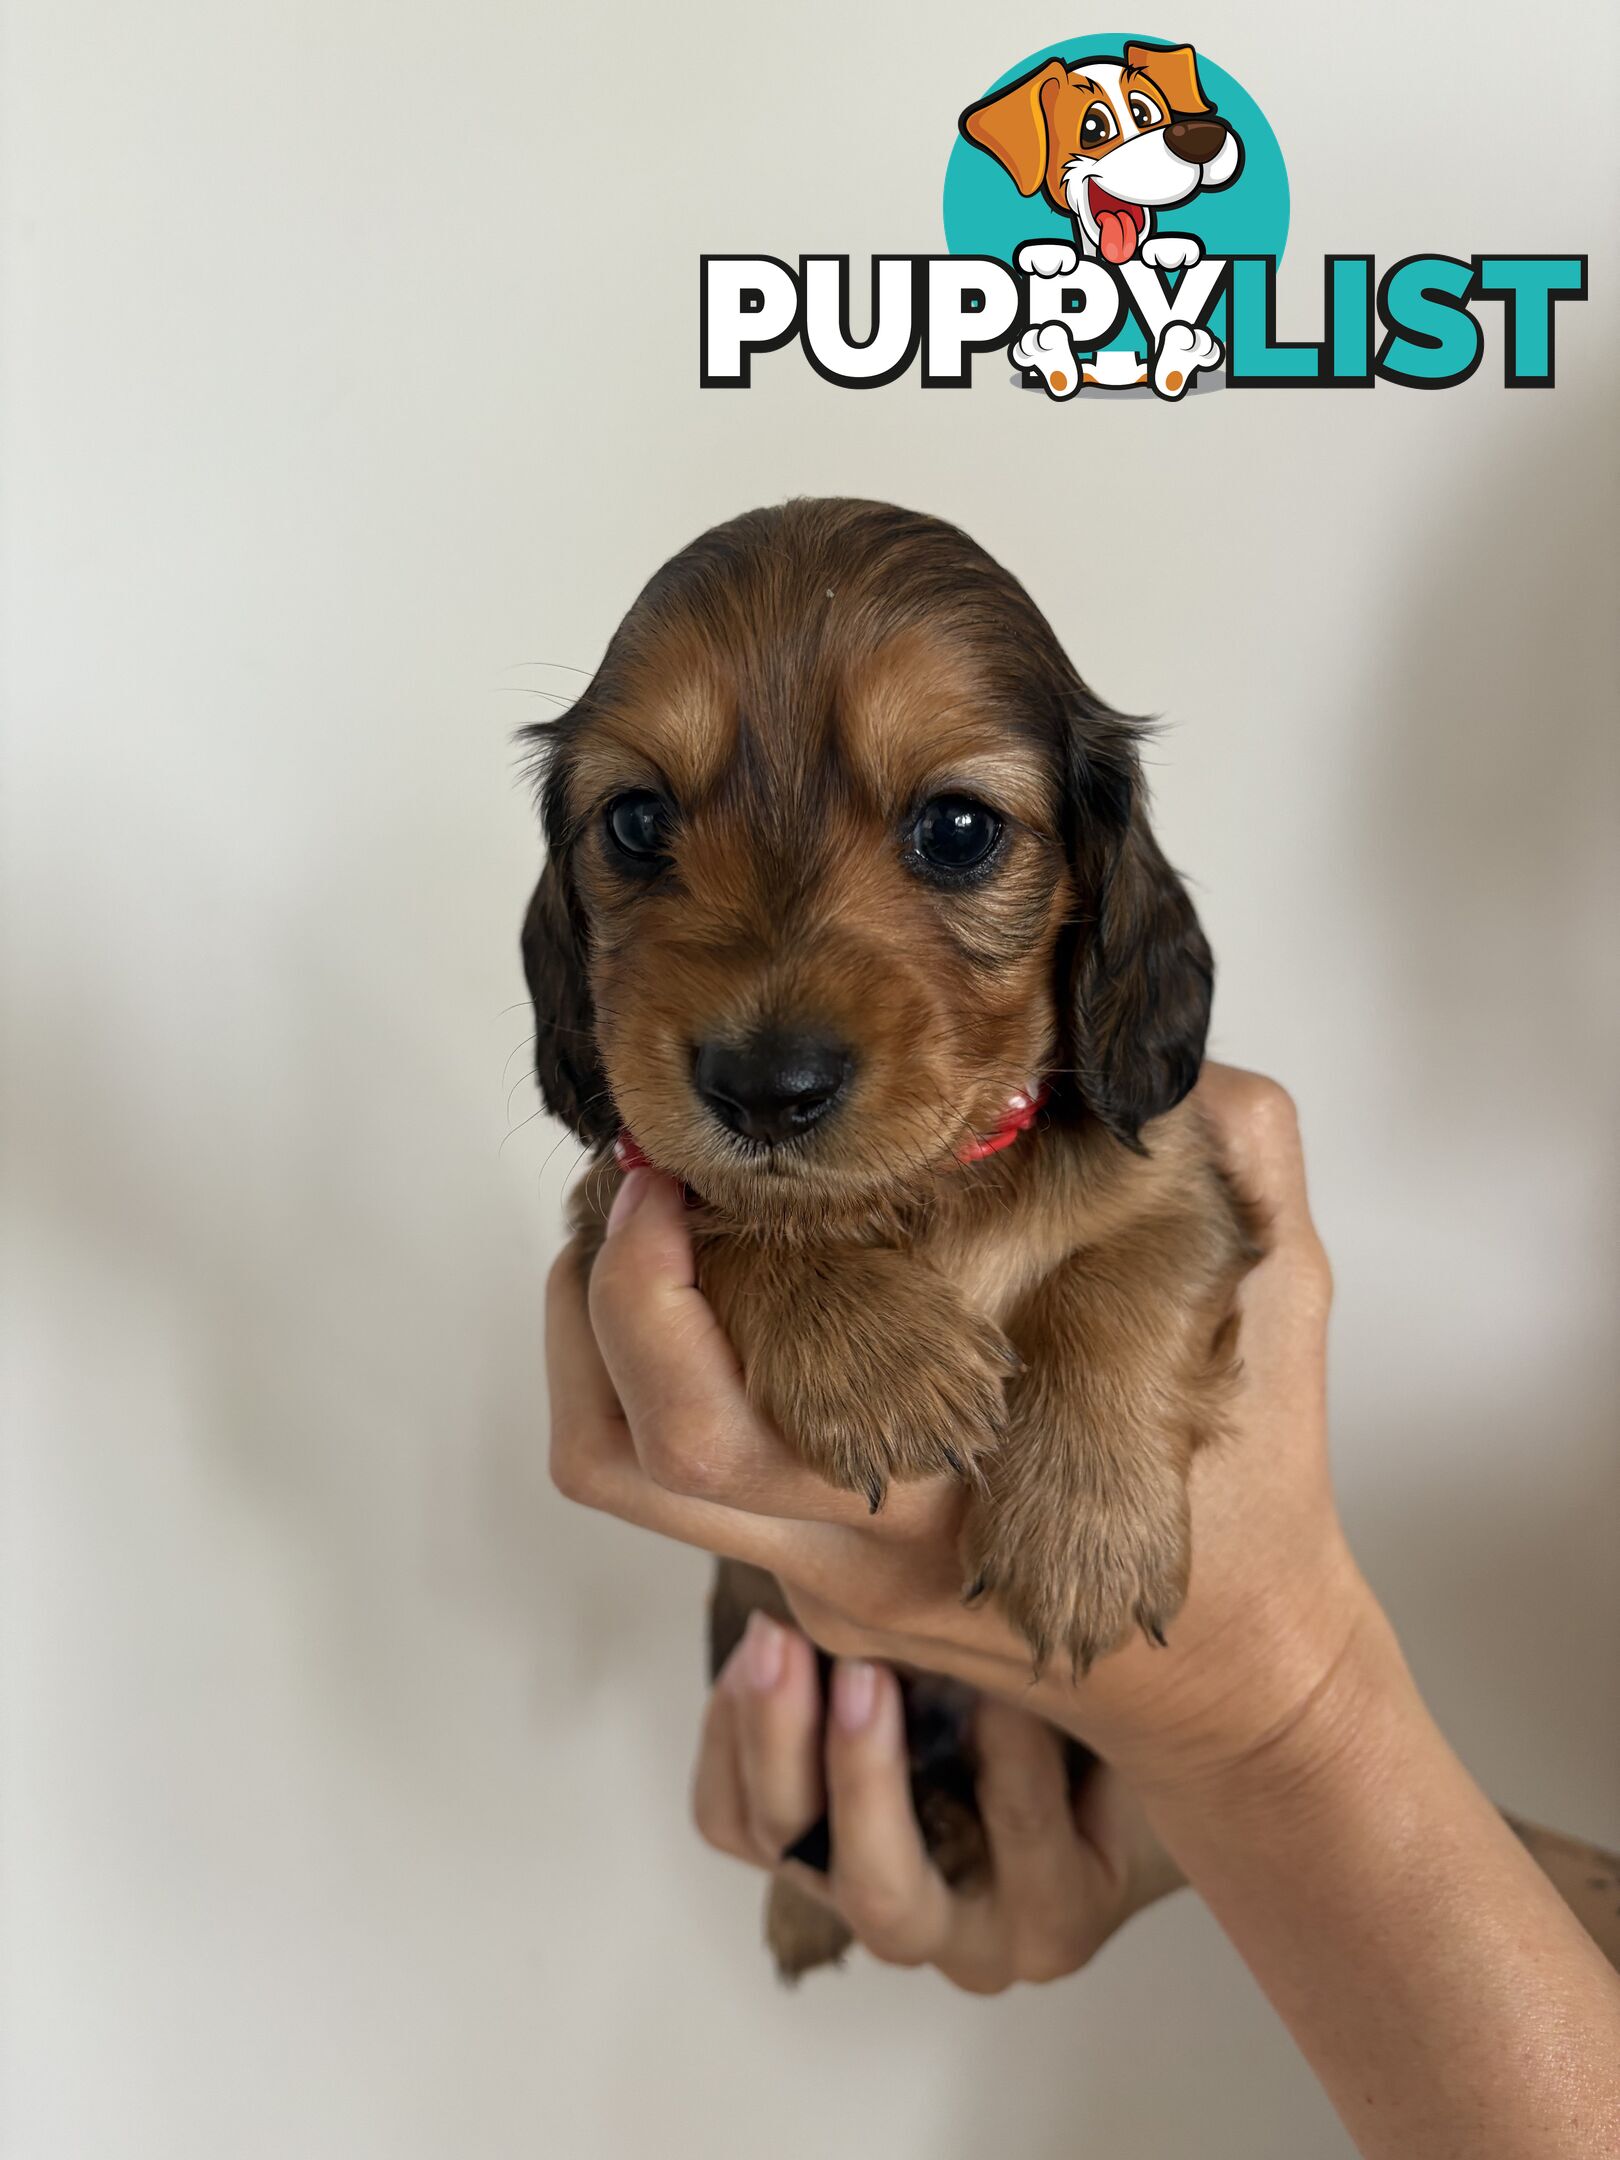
pixel 1196 140
pixel 774 1085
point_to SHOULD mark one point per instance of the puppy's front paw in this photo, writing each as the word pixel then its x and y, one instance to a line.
pixel 879 1373
pixel 1047 258
pixel 1171 251
pixel 1077 1585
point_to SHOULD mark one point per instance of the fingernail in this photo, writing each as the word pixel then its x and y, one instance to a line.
pixel 632 1190
pixel 764 1647
pixel 854 1692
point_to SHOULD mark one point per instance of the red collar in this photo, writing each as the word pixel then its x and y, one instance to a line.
pixel 1020 1114
pixel 627 1151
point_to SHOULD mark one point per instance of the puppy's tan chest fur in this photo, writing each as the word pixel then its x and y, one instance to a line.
pixel 997 1259
pixel 1002 1231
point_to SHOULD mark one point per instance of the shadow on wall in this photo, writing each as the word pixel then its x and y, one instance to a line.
pixel 1488 828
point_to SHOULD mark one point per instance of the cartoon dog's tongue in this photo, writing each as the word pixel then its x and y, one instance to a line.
pixel 1118 224
pixel 1118 236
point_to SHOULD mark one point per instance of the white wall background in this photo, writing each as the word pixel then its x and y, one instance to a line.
pixel 344 1767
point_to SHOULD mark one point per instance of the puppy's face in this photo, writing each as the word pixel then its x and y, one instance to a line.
pixel 824 840
pixel 823 880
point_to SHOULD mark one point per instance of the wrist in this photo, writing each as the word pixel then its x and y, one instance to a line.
pixel 1256 1691
pixel 1333 1721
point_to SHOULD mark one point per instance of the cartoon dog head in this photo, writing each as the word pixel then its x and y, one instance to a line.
pixel 1109 141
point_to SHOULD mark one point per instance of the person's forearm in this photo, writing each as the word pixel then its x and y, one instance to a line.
pixel 1586 1877
pixel 1440 1989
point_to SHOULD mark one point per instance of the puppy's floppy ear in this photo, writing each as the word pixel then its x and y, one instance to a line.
pixel 1012 125
pixel 1175 69
pixel 1141 976
pixel 572 1082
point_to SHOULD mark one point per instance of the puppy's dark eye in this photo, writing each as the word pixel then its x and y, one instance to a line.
pixel 1097 126
pixel 1144 112
pixel 954 834
pixel 639 826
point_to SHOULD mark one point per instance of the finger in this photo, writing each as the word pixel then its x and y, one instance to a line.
pixel 1290 1292
pixel 718 1805
pixel 576 1377
pixel 882 1879
pixel 1257 1127
pixel 1286 1299
pixel 1110 1818
pixel 1054 1895
pixel 772 1680
pixel 857 1598
pixel 677 1379
pixel 594 1461
pixel 661 1344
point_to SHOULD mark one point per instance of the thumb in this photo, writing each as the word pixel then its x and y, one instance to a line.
pixel 660 1240
pixel 664 1350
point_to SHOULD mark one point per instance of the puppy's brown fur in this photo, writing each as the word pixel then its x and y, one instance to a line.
pixel 1053 1323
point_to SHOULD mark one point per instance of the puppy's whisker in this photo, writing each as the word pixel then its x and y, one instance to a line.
pixel 516 1051
pixel 564 1138
pixel 538 1111
pixel 561 1141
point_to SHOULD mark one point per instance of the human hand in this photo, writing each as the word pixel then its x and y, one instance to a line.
pixel 651 1422
pixel 1431 1975
pixel 1065 1871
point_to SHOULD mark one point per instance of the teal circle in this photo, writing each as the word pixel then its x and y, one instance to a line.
pixel 986 215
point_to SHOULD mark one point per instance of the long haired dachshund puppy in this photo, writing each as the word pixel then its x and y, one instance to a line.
pixel 853 922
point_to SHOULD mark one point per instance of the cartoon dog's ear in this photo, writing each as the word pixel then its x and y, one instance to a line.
pixel 567 1066
pixel 1013 125
pixel 1141 975
pixel 1175 69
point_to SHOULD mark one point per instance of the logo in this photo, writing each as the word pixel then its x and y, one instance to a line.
pixel 1116 210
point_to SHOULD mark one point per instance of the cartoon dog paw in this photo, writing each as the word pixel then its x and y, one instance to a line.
pixel 1049 348
pixel 1047 258
pixel 1183 350
pixel 1171 251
